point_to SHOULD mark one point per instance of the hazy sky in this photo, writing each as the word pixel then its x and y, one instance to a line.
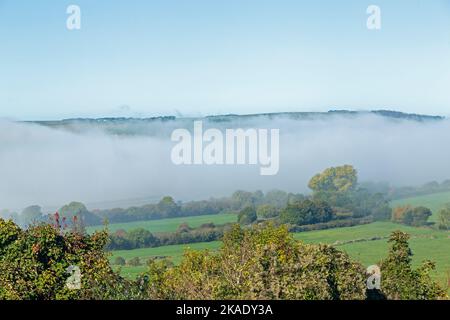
pixel 198 57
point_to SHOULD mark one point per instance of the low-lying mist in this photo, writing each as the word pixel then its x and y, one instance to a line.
pixel 51 167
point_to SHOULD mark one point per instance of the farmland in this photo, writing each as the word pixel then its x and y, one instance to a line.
pixel 168 225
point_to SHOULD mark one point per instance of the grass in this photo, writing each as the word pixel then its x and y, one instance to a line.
pixel 168 225
pixel 434 248
pixel 435 202
pixel 380 229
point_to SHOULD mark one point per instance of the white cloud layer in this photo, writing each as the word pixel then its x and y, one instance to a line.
pixel 50 167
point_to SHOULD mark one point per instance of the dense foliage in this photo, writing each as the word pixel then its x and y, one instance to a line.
pixel 260 263
pixel 37 263
pixel 340 189
pixel 334 180
pixel 307 212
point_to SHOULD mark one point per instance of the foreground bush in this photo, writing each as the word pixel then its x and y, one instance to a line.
pixel 36 264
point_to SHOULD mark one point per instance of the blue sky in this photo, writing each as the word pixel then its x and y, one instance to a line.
pixel 200 57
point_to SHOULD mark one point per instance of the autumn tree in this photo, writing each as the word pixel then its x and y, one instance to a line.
pixel 411 216
pixel 335 180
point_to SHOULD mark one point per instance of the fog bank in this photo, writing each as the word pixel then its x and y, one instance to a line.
pixel 51 167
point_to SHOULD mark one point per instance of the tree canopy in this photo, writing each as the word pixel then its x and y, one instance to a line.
pixel 306 212
pixel 247 215
pixel 335 179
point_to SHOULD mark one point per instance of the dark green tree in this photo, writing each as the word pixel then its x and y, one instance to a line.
pixel 306 212
pixel 77 213
pixel 247 216
pixel 141 238
pixel 400 281
pixel 167 207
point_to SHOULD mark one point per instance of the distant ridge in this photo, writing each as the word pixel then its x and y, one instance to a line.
pixel 312 115
pixel 229 117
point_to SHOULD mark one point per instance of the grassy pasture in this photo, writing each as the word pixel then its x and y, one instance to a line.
pixel 426 244
pixel 168 225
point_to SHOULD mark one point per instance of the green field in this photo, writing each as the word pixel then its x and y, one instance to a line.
pixel 435 202
pixel 425 243
pixel 169 225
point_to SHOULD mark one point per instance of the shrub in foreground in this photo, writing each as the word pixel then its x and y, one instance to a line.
pixel 39 263
pixel 400 281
